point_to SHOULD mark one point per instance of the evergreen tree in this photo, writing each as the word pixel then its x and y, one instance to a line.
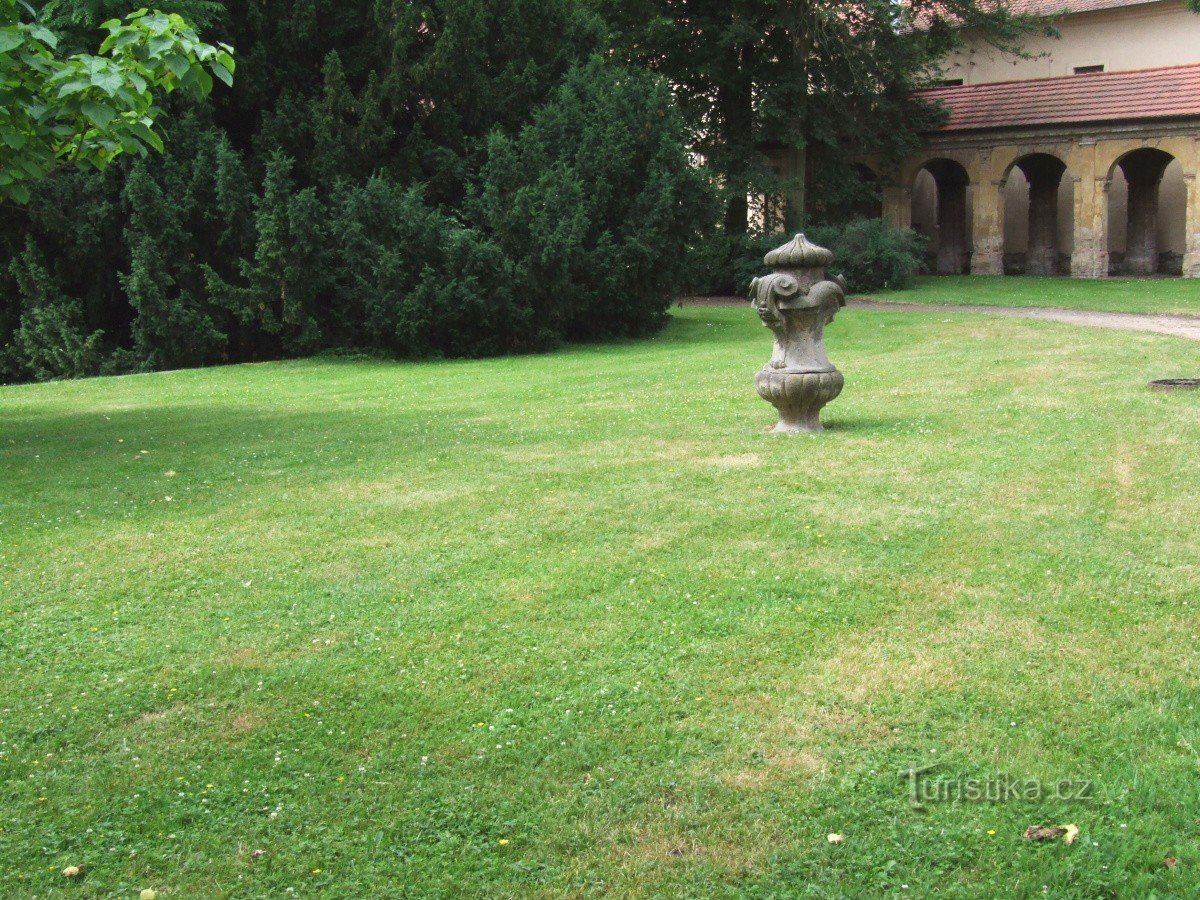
pixel 173 327
pixel 349 191
pixel 785 77
pixel 52 339
pixel 596 202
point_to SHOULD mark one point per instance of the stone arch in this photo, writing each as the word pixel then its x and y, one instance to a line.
pixel 1038 210
pixel 940 213
pixel 1142 231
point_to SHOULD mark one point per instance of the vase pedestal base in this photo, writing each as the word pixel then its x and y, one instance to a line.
pixel 799 397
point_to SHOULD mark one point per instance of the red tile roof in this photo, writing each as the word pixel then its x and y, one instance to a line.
pixel 1057 7
pixel 1166 93
pixel 924 16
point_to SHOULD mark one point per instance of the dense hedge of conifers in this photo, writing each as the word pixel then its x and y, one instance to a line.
pixel 456 177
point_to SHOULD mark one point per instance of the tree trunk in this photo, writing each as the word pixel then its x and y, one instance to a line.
pixel 796 199
pixel 735 103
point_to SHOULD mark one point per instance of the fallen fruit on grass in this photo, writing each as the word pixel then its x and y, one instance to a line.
pixel 836 838
pixel 72 872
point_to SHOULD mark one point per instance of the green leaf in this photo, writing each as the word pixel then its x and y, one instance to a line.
pixel 100 114
pixel 19 192
pixel 156 22
pixel 73 87
pixel 157 46
pixel 43 34
pixel 140 130
pixel 130 145
pixel 222 73
pixel 15 139
pixel 204 82
pixel 10 38
pixel 109 82
pixel 120 41
pixel 178 65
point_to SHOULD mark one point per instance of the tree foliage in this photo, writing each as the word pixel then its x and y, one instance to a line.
pixel 85 109
pixel 409 177
pixel 833 78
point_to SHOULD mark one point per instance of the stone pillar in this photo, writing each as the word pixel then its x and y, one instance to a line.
pixel 1089 259
pixel 1191 255
pixel 952 226
pixel 897 206
pixel 987 252
pixel 1044 175
pixel 1141 242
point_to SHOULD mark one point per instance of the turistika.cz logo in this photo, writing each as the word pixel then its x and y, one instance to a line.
pixel 924 788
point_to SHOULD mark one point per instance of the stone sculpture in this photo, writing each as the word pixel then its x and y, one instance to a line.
pixel 796 302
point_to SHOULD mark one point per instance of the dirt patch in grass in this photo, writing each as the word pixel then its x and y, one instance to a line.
pixel 246 721
pixel 737 461
pixel 246 658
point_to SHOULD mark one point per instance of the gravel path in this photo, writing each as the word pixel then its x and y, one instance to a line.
pixel 1173 325
pixel 1176 326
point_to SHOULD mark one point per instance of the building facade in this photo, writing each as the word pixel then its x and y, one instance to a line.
pixel 1080 159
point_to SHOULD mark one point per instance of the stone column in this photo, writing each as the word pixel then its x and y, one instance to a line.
pixel 987 252
pixel 1191 254
pixel 1044 176
pixel 952 226
pixel 897 206
pixel 1089 259
pixel 1141 242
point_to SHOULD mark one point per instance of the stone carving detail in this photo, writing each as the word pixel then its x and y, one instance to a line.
pixel 796 302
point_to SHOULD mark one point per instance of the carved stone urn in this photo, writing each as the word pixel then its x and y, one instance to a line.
pixel 796 302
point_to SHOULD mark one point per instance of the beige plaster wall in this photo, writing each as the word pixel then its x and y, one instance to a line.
pixel 1167 35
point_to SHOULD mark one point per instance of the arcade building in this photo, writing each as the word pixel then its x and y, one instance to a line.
pixel 1082 159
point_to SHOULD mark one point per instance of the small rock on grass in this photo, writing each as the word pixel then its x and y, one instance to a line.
pixel 1052 832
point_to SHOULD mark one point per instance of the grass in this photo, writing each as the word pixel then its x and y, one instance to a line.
pixel 573 624
pixel 1138 295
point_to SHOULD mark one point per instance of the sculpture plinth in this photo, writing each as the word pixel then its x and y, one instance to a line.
pixel 796 302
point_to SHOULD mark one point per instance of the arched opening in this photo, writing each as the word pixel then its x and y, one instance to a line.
pixel 940 213
pixel 1038 216
pixel 1147 210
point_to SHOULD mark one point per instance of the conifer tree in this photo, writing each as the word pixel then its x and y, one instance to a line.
pixel 782 78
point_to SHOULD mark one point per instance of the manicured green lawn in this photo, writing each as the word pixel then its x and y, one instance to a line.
pixel 575 624
pixel 1145 295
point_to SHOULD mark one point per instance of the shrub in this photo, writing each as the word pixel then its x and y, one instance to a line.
pixel 595 203
pixel 416 283
pixel 869 254
pixel 463 178
pixel 51 339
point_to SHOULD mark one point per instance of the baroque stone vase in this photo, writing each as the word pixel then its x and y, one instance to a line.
pixel 796 302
